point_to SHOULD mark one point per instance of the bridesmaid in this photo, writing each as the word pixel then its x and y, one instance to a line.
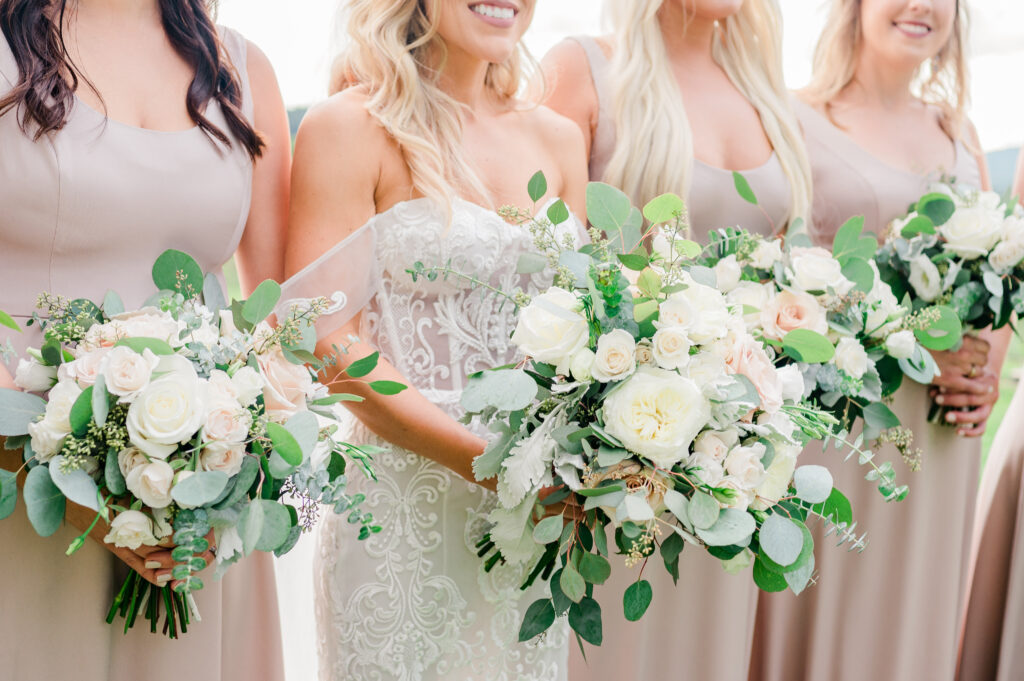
pixel 994 630
pixel 670 70
pixel 128 128
pixel 876 142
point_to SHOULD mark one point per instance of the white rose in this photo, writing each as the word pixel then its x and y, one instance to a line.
pixel 851 357
pixel 222 456
pixel 130 530
pixel 645 352
pixel 747 356
pixel 227 323
pixel 700 310
pixel 59 402
pixel 85 368
pixel 551 329
pixel 973 230
pixel 248 385
pixel 615 358
pixel 1010 251
pixel 34 377
pixel 47 438
pixel 227 421
pixel 901 344
pixel 775 484
pixel 287 386
pixel 814 269
pixel 715 444
pixel 728 273
pixel 151 483
pixel 709 371
pixel 220 387
pixel 581 365
pixel 149 322
pixel 657 414
pixel 127 373
pixel 766 254
pixel 742 495
pixel 204 335
pixel 749 298
pixel 792 383
pixel 671 347
pixel 791 310
pixel 925 278
pixel 744 464
pixel 169 410
pixel 676 311
pixel 884 310
pixel 711 471
pixel 129 459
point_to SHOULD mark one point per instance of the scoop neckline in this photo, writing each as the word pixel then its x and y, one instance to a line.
pixel 83 106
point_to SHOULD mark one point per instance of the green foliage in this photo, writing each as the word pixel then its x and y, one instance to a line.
pixel 585 620
pixel 284 443
pixel 804 345
pixel 8 321
pixel 937 207
pixel 387 387
pixel 539 618
pixel 850 243
pixel 636 599
pixel 732 527
pixel 8 492
pixel 548 530
pixel 177 271
pixel 595 568
pixel 112 476
pixel 558 212
pixel 813 484
pixel 75 484
pixel 81 412
pixel 17 410
pixel 362 367
pixel 501 389
pixel 944 333
pixel 664 208
pixel 200 488
pixel 139 344
pixel 537 186
pixel 781 539
pixel 703 511
pixel 44 502
pixel 262 301
pixel 743 188
pixel 766 579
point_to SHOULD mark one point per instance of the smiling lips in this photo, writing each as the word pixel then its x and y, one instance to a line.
pixel 496 14
pixel 914 29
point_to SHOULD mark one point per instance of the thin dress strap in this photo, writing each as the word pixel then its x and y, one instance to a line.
pixel 602 146
pixel 237 50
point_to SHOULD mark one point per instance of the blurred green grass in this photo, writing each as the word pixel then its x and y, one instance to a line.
pixel 1007 385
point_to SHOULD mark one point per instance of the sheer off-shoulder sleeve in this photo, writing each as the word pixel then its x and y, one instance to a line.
pixel 347 276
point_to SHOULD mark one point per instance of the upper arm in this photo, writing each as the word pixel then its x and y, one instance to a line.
pixel 260 252
pixel 570 87
pixel 338 153
pixel 566 142
pixel 975 145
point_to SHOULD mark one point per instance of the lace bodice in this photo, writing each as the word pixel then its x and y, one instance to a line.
pixel 413 602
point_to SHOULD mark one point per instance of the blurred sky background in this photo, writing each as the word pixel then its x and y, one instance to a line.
pixel 300 37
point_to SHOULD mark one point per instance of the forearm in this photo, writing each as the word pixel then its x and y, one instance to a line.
pixel 999 343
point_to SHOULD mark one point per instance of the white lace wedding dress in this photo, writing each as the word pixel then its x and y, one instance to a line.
pixel 413 602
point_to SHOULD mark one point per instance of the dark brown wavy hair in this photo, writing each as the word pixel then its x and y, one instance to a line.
pixel 47 80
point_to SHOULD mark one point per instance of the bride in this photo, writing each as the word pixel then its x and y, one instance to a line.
pixel 408 164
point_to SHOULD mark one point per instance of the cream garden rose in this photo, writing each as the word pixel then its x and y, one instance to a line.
pixel 925 278
pixel 169 411
pixel 814 269
pixel 657 414
pixel 766 254
pixel 551 328
pixel 85 368
pixel 744 464
pixel 226 457
pixel 130 530
pixel 581 365
pixel 47 438
pixel 1010 250
pixel 151 483
pixel 791 310
pixel 126 373
pixel 671 347
pixel 129 459
pixel 287 386
pixel 727 273
pixel 974 229
pixel 715 444
pixel 149 322
pixel 33 376
pixel 248 385
pixel 615 358
pixel 851 357
pixel 901 344
pixel 777 478
pixel 750 298
pixel 227 421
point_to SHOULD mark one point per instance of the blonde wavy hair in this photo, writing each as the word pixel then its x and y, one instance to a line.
pixel 942 81
pixel 654 151
pixel 393 50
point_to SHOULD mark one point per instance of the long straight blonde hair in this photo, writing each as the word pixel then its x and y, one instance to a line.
pixel 394 51
pixel 654 150
pixel 942 81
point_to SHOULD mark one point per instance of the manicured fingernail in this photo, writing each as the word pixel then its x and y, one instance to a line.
pixel 163 579
pixel 152 565
pixel 940 400
pixel 951 417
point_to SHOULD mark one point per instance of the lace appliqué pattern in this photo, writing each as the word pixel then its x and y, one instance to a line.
pixel 413 602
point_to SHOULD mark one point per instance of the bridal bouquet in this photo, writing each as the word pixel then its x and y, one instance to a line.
pixel 644 419
pixel 963 249
pixel 857 339
pixel 182 421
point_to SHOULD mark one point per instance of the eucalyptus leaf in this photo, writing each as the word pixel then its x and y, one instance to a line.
pixel 17 410
pixel 799 579
pixel 305 427
pixel 572 583
pixel 100 400
pixel 75 484
pixel 595 568
pixel 362 367
pixel 8 321
pixel 178 271
pixel 703 511
pixel 664 208
pixel 8 492
pixel 813 483
pixel 558 212
pixel 262 301
pixel 937 206
pixel 387 388
pixel 585 620
pixel 808 346
pixel 246 476
pixel 539 618
pixel 139 344
pixel 277 524
pixel 503 389
pixel 944 333
pixel 678 504
pixel 919 224
pixel 81 412
pixel 213 293
pixel 637 509
pixel 200 488
pixel 781 539
pixel 44 502
pixel 636 599
pixel 733 527
pixel 531 263
pixel 335 398
pixel 250 526
pixel 285 443
pixel 548 530
pixel 766 579
pixel 112 304
pixel 112 476
pixel 537 187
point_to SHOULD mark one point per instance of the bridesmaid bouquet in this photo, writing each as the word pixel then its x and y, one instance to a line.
pixel 187 419
pixel 962 249
pixel 643 419
pixel 832 317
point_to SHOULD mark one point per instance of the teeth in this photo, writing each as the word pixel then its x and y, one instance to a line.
pixel 494 12
pixel 916 29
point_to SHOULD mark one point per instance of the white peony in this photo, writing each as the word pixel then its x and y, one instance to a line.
pixel 169 411
pixel 901 344
pixel 130 530
pixel 727 273
pixel 615 358
pixel 851 357
pixel 671 347
pixel 766 254
pixel 248 385
pixel 749 298
pixel 657 414
pixel 814 269
pixel 151 483
pixel 581 365
pixel 974 229
pixel 551 329
pixel 744 464
pixel 126 372
pixel 34 377
pixel 226 457
pixel 925 278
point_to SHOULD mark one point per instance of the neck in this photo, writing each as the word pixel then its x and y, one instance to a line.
pixel 686 37
pixel 132 9
pixel 464 78
pixel 881 83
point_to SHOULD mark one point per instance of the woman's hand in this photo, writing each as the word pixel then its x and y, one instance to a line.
pixel 966 382
pixel 959 367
